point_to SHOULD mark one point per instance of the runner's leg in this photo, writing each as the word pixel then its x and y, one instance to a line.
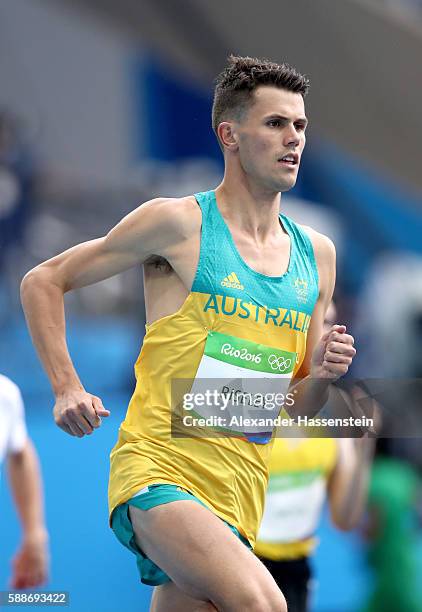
pixel 204 559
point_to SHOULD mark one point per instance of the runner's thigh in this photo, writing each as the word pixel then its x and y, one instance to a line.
pixel 204 558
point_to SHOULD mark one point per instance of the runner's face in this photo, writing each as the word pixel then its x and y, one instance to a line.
pixel 273 128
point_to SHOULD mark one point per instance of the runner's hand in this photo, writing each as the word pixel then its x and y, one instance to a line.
pixel 30 564
pixel 333 354
pixel 78 413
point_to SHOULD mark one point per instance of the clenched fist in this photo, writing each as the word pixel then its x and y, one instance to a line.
pixel 78 413
pixel 333 354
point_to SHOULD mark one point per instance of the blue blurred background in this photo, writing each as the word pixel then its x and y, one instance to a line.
pixel 103 107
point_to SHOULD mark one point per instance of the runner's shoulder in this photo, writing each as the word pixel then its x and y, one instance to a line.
pixel 181 215
pixel 155 226
pixel 324 249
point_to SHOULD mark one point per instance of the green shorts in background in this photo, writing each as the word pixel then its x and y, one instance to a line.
pixel 149 497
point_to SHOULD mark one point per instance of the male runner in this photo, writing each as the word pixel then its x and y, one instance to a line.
pixel 227 281
pixel 30 564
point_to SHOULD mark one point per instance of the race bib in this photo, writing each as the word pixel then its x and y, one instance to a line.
pixel 241 386
pixel 292 507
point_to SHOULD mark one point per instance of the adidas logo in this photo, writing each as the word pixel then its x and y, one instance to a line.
pixel 232 281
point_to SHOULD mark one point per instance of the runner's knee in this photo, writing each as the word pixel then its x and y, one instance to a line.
pixel 273 602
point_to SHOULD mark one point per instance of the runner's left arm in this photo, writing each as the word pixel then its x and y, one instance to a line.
pixel 328 356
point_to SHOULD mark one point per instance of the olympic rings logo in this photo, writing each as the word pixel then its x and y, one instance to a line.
pixel 279 363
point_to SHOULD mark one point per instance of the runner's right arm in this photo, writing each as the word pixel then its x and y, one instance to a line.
pixel 348 484
pixel 156 227
pixel 30 564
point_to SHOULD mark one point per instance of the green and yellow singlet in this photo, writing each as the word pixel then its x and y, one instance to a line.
pixel 235 323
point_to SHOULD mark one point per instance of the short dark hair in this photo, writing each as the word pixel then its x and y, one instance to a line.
pixel 235 85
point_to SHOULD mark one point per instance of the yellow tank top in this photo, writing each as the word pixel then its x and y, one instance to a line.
pixel 238 325
pixel 299 469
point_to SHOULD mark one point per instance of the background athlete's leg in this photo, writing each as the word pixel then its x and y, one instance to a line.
pixel 169 597
pixel 204 558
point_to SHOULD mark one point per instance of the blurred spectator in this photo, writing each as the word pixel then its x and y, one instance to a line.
pixel 392 527
pixel 15 181
pixel 16 188
pixel 30 564
pixel 388 318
